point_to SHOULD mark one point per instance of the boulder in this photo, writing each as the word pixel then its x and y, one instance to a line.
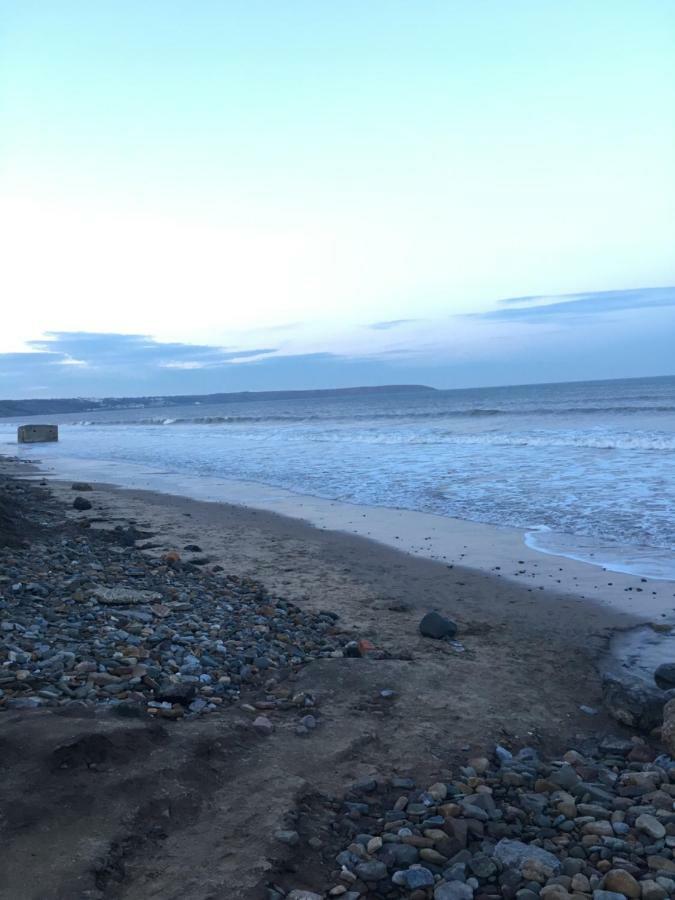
pixel 434 625
pixel 80 504
pixel 668 729
pixel 664 676
pixel 176 692
pixel 633 702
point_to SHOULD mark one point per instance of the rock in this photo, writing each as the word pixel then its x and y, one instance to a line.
pixel 580 884
pixel 120 596
pixel 661 864
pixel 176 692
pixel 651 826
pixel 622 882
pixel 290 838
pixel 374 870
pixel 651 890
pixel 453 890
pixel 664 676
pixel 434 625
pixel 81 486
pixel 608 895
pixel 80 503
pixel 413 878
pixel 554 892
pixel 668 729
pixel 438 791
pixel 263 725
pixel 633 702
pixel 515 854
pixel 303 895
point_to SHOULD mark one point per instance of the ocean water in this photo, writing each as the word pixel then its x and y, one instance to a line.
pixel 585 469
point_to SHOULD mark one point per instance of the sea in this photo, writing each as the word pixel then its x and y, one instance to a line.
pixel 584 469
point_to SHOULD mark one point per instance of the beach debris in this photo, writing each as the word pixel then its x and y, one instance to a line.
pixel 81 503
pixel 434 625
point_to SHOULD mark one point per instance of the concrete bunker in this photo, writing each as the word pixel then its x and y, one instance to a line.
pixel 37 434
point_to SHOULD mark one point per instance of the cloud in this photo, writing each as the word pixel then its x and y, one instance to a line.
pixel 84 348
pixel 601 302
pixel 521 340
pixel 391 323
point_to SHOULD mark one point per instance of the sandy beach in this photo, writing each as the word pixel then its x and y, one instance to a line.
pixel 522 672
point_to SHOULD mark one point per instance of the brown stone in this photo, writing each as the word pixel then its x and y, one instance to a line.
pixel 622 882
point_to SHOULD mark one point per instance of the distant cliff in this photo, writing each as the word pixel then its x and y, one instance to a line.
pixel 15 408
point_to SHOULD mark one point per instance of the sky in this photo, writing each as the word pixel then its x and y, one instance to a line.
pixel 294 194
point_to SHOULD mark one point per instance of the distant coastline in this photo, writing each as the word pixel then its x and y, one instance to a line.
pixel 39 407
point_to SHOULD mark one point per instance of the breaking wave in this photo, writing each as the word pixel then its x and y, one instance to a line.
pixel 427 415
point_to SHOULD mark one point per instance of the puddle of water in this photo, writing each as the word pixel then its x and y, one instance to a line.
pixel 640 651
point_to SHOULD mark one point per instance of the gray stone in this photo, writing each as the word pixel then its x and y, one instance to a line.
pixel 175 692
pixel 434 625
pixel 453 890
pixel 633 702
pixel 303 895
pixel 651 826
pixel 514 855
pixel 80 504
pixel 374 870
pixel 290 838
pixel 119 596
pixel 417 877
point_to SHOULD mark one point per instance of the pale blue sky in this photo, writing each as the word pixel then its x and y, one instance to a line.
pixel 278 176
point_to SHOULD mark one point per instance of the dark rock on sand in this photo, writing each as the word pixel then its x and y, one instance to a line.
pixel 434 625
pixel 81 504
pixel 633 702
pixel 176 692
pixel 81 486
pixel 665 676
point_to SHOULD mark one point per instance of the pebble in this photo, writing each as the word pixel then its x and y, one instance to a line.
pixel 485 833
pixel 88 618
pixel 263 725
pixel 291 838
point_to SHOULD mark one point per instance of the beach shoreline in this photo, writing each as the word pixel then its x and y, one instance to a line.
pixel 517 554
pixel 521 672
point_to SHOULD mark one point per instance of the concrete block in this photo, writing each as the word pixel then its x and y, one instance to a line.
pixel 37 434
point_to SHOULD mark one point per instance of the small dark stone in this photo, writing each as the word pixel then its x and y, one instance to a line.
pixel 81 504
pixel 175 692
pixel 192 548
pixel 81 486
pixel 434 625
